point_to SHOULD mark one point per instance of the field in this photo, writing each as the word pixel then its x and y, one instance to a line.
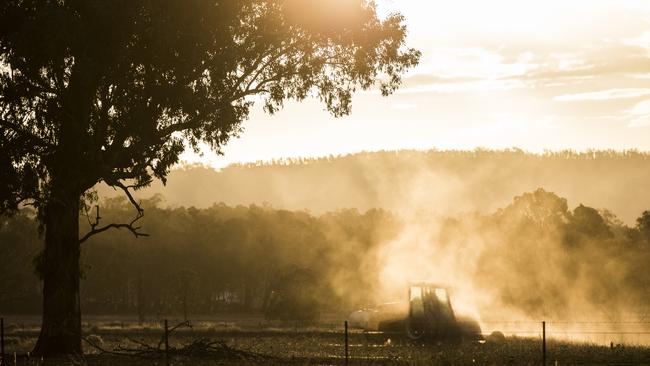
pixel 254 341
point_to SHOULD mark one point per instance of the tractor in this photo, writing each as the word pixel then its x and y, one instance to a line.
pixel 428 314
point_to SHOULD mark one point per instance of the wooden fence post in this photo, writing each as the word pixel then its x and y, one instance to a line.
pixel 166 344
pixel 345 324
pixel 2 341
pixel 544 343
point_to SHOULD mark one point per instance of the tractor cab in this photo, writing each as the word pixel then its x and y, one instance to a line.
pixel 430 311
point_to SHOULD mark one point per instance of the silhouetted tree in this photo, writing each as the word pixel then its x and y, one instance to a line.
pixel 113 91
pixel 586 224
pixel 539 208
pixel 643 225
pixel 186 288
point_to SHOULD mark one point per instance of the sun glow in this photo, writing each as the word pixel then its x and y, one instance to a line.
pixel 534 75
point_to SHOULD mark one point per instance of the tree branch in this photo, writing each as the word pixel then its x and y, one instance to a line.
pixel 282 52
pixel 254 65
pixel 124 188
pixel 30 136
pixel 130 226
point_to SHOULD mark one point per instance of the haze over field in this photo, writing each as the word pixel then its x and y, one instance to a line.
pixel 537 257
pixel 439 182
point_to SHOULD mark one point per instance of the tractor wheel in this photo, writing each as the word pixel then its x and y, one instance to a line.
pixel 413 333
pixel 470 330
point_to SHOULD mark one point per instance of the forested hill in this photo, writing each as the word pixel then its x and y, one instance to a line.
pixel 440 181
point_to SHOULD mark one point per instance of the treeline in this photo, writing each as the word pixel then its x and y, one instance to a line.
pixel 478 153
pixel 202 261
pixel 535 256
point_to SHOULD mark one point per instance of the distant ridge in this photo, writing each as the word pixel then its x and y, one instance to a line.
pixel 440 181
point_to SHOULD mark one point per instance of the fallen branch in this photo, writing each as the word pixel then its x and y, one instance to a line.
pixel 197 348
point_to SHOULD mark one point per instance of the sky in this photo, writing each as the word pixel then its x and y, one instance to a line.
pixel 536 75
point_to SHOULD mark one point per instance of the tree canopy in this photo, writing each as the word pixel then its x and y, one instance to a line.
pixel 117 89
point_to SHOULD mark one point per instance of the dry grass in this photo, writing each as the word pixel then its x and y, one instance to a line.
pixel 321 346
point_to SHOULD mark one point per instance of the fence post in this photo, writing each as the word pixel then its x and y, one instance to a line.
pixel 2 341
pixel 345 324
pixel 166 344
pixel 543 343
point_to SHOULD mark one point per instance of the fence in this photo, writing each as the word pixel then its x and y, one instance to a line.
pixel 525 342
pixel 598 332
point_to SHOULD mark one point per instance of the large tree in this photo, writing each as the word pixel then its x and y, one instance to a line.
pixel 114 90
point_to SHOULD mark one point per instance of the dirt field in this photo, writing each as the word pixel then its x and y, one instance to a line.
pixel 253 341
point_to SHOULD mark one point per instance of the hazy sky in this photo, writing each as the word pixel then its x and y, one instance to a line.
pixel 536 75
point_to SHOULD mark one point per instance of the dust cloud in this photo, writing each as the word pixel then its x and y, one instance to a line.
pixel 534 260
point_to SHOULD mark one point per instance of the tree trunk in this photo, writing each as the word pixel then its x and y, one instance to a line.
pixel 70 177
pixel 61 326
